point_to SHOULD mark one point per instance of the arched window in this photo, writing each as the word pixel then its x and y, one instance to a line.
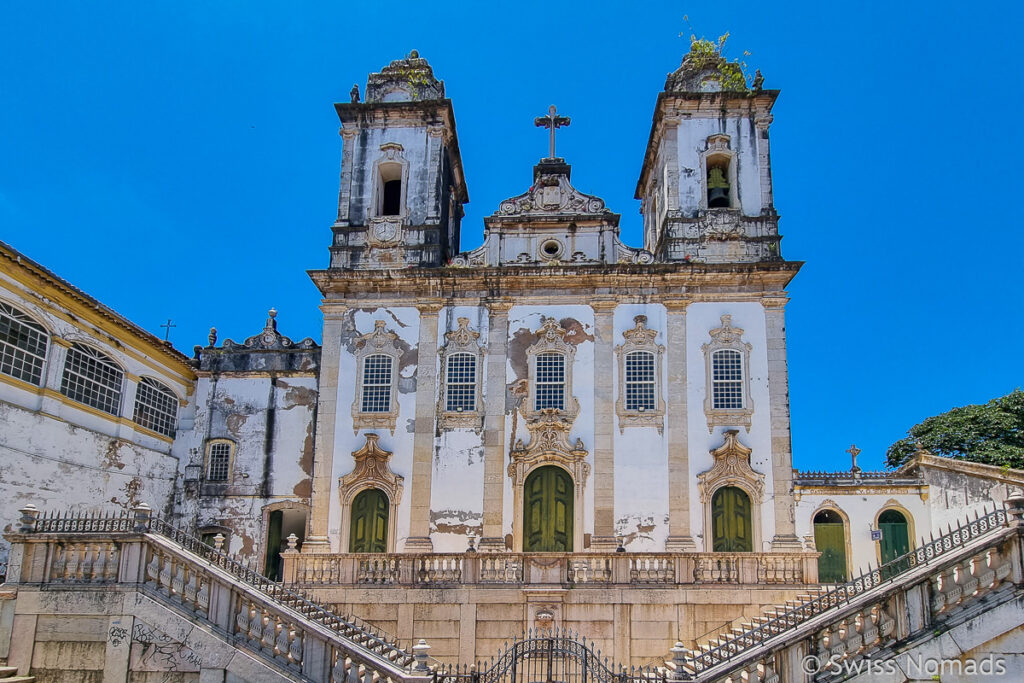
pixel 23 344
pixel 377 378
pixel 389 192
pixel 218 461
pixel 727 380
pixel 369 526
pixel 830 540
pixel 718 182
pixel 460 383
pixel 640 381
pixel 156 407
pixel 92 378
pixel 731 521
pixel 550 381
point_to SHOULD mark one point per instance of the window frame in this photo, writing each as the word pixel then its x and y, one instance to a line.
pixel 102 359
pixel 461 341
pixel 229 465
pixel 725 338
pixel 640 339
pixel 379 342
pixel 551 339
pixel 156 386
pixel 20 317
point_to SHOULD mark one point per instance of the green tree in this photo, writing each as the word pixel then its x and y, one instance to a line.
pixel 991 433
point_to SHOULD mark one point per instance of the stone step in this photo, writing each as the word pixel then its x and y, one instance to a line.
pixel 8 671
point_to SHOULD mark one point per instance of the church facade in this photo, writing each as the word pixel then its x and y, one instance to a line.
pixel 550 398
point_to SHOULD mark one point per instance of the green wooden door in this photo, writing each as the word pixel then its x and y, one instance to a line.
pixel 730 521
pixel 895 539
pixel 369 529
pixel 272 570
pixel 830 540
pixel 547 515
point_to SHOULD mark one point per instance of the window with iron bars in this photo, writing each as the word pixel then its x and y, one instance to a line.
pixel 460 385
pixel 156 407
pixel 92 378
pixel 550 383
pixel 727 379
pixel 23 344
pixel 640 395
pixel 376 397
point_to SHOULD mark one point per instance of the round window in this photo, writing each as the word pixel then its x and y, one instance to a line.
pixel 550 249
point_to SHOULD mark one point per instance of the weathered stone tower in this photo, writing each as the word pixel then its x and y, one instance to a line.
pixel 401 174
pixel 706 183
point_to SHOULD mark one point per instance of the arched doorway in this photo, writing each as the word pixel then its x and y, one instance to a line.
pixel 731 521
pixel 830 540
pixel 548 510
pixel 368 531
pixel 895 538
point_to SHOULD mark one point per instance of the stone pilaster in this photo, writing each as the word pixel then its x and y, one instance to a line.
pixel 764 159
pixel 672 165
pixel 348 137
pixel 680 538
pixel 423 437
pixel 778 397
pixel 494 425
pixel 317 540
pixel 435 137
pixel 56 356
pixel 604 424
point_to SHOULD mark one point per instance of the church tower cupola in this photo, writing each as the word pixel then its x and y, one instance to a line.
pixel 402 183
pixel 705 186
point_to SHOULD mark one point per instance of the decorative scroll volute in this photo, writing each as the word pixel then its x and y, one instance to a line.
pixel 731 468
pixel 371 471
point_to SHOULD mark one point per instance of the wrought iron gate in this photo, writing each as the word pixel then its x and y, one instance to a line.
pixel 556 656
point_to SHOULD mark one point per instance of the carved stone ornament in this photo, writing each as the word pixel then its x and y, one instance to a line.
pixel 721 225
pixel 384 231
pixel 461 340
pixel 551 338
pixel 727 337
pixel 627 254
pixel 640 339
pixel 549 444
pixel 379 342
pixel 371 470
pixel 404 80
pixel 731 468
pixel 552 194
pixel 267 340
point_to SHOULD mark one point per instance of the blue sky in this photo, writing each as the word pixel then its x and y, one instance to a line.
pixel 180 160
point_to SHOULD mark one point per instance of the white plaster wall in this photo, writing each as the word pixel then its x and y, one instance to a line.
pixel 701 318
pixel 862 510
pixel 693 136
pixel 58 466
pixel 641 453
pixel 457 469
pixel 403 321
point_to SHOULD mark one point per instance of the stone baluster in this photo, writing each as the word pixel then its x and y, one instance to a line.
pixel 99 562
pixel 869 626
pixel 295 647
pixel 71 568
pixel 242 619
pixel 270 625
pixel 255 629
pixel 178 582
pixel 60 562
pixel 88 559
pixel 190 589
pixel 153 569
pixel 165 575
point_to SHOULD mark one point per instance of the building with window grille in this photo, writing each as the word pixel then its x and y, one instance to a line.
pixel 577 410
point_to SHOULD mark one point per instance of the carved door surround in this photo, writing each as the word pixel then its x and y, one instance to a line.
pixel 549 445
pixel 732 468
pixel 371 471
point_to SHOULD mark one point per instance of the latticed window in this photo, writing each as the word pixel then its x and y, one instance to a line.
pixel 22 345
pixel 727 379
pixel 550 389
pixel 219 461
pixel 376 384
pixel 93 379
pixel 460 395
pixel 640 381
pixel 156 407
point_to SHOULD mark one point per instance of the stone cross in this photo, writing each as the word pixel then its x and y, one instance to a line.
pixel 168 325
pixel 854 452
pixel 552 122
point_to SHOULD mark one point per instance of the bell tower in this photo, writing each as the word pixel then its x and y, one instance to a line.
pixel 402 184
pixel 706 185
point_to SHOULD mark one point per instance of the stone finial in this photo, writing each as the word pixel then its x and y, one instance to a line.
pixel 679 653
pixel 472 544
pixel 218 542
pixel 143 515
pixel 293 541
pixel 415 54
pixel 213 336
pixel 854 452
pixel 758 80
pixel 29 515
pixel 1015 505
pixel 419 652
pixel 354 94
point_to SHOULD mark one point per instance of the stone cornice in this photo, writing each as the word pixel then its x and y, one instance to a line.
pixel 626 282
pixel 925 460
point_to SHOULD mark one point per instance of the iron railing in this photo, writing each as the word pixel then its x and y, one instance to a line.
pixel 732 646
pixel 351 628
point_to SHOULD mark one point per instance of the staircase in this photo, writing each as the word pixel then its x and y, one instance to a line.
pixel 280 629
pixel 9 674
pixel 968 568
